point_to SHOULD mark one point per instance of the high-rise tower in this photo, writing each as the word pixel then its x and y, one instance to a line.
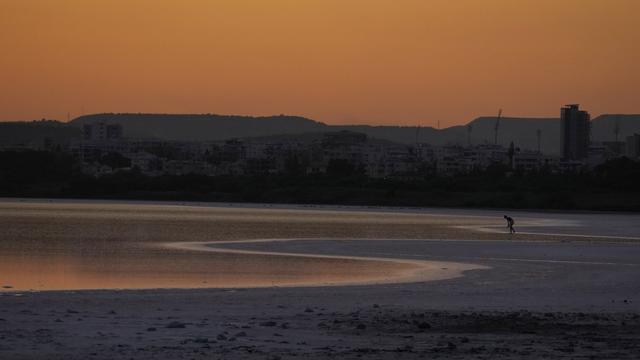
pixel 575 132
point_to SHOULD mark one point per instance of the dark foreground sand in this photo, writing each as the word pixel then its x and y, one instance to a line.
pixel 240 325
pixel 538 300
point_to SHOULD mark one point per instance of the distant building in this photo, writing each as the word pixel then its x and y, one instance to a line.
pixel 527 160
pixel 575 133
pixel 598 154
pixel 633 146
pixel 101 131
pixel 114 132
pixel 615 148
pixel 343 138
pixel 148 164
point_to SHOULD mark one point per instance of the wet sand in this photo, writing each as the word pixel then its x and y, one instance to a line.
pixel 540 296
pixel 119 245
pixel 360 270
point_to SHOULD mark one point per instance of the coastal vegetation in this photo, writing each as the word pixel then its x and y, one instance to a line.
pixel 610 186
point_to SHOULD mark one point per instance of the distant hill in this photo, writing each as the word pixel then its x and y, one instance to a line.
pixel 220 127
pixel 308 138
pixel 203 127
pixel 405 134
pixel 603 127
pixel 522 131
pixel 34 133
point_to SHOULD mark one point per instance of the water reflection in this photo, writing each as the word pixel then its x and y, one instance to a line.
pixel 113 245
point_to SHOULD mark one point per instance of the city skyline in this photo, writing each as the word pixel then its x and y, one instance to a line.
pixel 327 179
pixel 421 63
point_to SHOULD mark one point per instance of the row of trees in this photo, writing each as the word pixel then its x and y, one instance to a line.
pixel 610 186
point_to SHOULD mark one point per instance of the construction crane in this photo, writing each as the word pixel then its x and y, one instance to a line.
pixel 496 127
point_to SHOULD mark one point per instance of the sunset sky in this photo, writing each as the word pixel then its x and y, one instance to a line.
pixel 337 61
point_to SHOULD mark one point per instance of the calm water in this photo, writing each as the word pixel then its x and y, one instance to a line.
pixel 47 245
pixel 88 245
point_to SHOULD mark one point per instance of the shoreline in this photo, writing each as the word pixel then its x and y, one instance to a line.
pixel 402 271
pixel 422 271
pixel 469 211
pixel 570 223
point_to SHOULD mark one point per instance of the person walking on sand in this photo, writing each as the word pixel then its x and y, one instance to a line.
pixel 510 223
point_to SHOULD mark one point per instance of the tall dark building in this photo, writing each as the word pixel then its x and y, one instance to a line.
pixel 576 132
pixel 101 131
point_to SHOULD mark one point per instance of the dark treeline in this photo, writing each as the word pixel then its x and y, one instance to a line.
pixel 610 186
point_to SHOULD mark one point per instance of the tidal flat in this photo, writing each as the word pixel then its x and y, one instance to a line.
pixel 103 280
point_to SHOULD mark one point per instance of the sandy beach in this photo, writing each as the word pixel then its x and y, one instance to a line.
pixel 563 289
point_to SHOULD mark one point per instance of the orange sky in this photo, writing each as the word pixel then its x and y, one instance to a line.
pixel 337 61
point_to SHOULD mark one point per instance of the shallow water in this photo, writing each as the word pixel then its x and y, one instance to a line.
pixel 53 245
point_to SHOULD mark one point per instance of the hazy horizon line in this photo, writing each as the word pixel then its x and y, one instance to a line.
pixel 432 124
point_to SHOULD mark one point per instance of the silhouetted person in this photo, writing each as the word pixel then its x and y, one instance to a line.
pixel 510 223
